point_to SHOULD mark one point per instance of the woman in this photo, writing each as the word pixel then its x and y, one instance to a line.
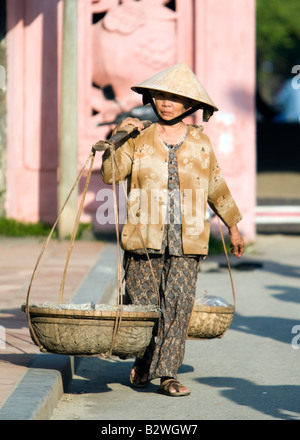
pixel 172 173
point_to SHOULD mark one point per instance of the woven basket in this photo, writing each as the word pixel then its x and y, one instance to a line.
pixel 209 322
pixel 90 332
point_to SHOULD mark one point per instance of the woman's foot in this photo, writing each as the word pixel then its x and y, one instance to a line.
pixel 139 375
pixel 171 387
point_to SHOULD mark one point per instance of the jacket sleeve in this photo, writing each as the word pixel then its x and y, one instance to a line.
pixel 123 163
pixel 219 197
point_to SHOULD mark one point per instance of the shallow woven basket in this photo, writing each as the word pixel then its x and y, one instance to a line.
pixel 209 322
pixel 90 332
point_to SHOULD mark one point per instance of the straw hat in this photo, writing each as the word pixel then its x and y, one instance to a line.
pixel 179 80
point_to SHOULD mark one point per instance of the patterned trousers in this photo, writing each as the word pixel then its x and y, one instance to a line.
pixel 176 279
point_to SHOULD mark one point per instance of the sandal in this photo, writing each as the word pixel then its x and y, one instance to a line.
pixel 139 371
pixel 167 384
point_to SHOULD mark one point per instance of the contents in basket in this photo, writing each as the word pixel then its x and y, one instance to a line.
pixel 209 300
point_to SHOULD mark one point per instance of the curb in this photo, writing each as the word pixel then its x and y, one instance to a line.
pixel 44 383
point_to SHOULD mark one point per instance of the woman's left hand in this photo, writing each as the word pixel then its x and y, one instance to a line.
pixel 237 244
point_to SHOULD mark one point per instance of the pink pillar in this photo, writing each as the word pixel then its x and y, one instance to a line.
pixel 32 107
pixel 225 64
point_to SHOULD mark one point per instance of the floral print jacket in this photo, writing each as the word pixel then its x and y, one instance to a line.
pixel 143 163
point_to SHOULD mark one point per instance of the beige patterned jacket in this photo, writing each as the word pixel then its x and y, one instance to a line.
pixel 143 162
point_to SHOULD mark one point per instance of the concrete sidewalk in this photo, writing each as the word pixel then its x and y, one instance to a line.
pixel 250 374
pixel 262 365
pixel 31 383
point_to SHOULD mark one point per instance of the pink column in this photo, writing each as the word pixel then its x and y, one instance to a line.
pixel 225 64
pixel 15 116
pixel 32 106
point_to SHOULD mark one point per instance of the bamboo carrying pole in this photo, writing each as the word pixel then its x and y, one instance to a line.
pixel 68 120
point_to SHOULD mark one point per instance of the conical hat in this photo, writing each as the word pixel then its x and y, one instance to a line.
pixel 179 80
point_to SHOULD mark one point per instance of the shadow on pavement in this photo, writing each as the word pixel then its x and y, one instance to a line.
pixel 278 401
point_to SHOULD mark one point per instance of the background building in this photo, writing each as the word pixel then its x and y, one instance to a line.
pixel 118 44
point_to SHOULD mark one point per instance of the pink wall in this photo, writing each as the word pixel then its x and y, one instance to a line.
pixel 225 62
pixel 220 47
pixel 32 108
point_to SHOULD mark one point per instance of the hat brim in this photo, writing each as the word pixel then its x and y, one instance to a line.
pixel 145 90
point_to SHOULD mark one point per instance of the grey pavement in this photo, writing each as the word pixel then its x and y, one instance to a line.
pixel 252 373
pixel 47 375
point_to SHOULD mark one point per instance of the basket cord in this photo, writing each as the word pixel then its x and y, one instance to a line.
pixel 119 270
pixel 75 229
pixel 138 226
pixel 229 268
pixel 119 310
pixel 227 259
pixel 91 159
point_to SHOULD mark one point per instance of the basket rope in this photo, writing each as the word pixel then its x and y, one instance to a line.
pixel 119 312
pixel 90 159
pixel 200 330
pixel 119 286
pixel 75 229
pixel 228 263
pixel 120 280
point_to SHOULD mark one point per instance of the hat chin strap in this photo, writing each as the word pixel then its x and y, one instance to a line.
pixel 207 111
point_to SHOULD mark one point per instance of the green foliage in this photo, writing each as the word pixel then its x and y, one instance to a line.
pixel 14 228
pixel 278 33
pixel 216 245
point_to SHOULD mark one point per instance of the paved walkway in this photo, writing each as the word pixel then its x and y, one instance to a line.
pixel 250 374
pixel 31 384
pixel 18 257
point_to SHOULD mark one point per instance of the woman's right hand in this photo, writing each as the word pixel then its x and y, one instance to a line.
pixel 129 121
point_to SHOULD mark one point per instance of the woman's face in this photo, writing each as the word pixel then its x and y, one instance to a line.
pixel 170 106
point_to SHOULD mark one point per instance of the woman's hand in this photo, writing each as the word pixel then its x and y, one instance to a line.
pixel 129 121
pixel 237 244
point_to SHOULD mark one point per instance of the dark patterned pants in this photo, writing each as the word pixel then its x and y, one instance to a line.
pixel 176 278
